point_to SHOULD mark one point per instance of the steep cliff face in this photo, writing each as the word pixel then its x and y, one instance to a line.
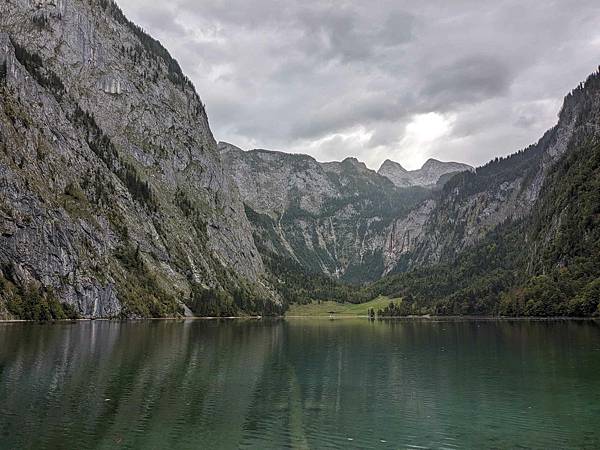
pixel 520 236
pixel 429 175
pixel 505 190
pixel 563 229
pixel 334 218
pixel 113 194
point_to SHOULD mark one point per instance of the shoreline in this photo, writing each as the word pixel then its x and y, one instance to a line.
pixel 331 318
pixel 138 319
pixel 441 318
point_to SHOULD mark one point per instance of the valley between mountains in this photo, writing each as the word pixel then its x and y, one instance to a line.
pixel 116 201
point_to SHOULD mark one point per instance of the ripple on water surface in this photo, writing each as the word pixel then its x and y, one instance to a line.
pixel 300 384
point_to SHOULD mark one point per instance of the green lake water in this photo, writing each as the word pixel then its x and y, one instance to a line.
pixel 300 383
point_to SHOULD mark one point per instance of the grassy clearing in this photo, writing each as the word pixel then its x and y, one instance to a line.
pixel 327 308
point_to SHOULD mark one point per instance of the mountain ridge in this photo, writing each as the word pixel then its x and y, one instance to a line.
pixel 333 217
pixel 471 213
pixel 429 174
pixel 110 142
pixel 116 201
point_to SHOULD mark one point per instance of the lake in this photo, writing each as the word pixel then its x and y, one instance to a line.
pixel 301 383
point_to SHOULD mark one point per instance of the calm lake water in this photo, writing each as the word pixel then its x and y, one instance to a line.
pixel 301 383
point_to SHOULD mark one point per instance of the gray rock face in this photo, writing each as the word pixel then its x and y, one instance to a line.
pixel 395 173
pixel 428 175
pixel 405 235
pixel 103 144
pixel 338 218
pixel 271 181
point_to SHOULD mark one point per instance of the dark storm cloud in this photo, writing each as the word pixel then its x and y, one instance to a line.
pixel 340 33
pixel 468 80
pixel 401 79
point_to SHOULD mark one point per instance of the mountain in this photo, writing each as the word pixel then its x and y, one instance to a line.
pixel 345 221
pixel 330 218
pixel 520 235
pixel 506 189
pixel 429 175
pixel 517 236
pixel 114 201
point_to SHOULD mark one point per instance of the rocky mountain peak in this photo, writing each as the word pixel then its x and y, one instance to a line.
pixel 356 163
pixel 431 162
pixel 394 172
pixel 428 175
pixel 389 165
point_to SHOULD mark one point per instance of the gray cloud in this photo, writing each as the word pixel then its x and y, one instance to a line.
pixel 467 80
pixel 161 19
pixel 402 79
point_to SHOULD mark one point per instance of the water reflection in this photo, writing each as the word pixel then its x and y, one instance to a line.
pixel 300 384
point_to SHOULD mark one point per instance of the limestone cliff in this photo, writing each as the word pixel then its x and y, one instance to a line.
pixel 113 196
pixel 337 218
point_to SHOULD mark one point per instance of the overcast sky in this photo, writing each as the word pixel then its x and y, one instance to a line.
pixel 463 80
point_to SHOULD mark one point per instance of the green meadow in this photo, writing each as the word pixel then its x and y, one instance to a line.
pixel 330 308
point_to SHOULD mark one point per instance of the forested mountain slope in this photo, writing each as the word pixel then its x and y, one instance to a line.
pixel 543 258
pixel 113 198
pixel 331 218
pixel 474 203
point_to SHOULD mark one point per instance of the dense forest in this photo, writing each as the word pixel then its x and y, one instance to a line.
pixel 554 271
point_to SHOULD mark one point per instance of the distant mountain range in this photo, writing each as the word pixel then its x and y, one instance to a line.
pixel 429 175
pixel 517 236
pixel 115 200
pixel 334 218
pixel 337 217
